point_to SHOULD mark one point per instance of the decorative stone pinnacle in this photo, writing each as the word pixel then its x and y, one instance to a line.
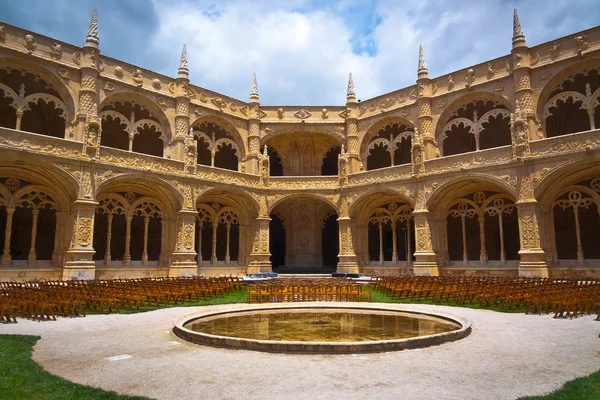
pixel 422 65
pixel 254 89
pixel 350 94
pixel 183 71
pixel 518 35
pixel 92 35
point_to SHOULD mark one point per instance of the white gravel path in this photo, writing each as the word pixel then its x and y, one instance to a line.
pixel 506 356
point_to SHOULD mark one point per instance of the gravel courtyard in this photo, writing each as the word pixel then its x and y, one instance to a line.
pixel 506 356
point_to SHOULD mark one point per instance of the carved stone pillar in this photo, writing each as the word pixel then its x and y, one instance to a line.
pixel 252 166
pixel 32 256
pixel 184 263
pixel 521 60
pixel 182 109
pixel 354 161
pixel 532 257
pixel 79 264
pixel 7 233
pixel 348 260
pixel 425 258
pixel 260 255
pixel 425 132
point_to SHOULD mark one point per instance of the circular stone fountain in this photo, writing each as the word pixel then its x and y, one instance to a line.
pixel 320 328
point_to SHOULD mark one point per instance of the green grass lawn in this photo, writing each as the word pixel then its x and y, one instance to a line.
pixel 229 298
pixel 586 388
pixel 380 297
pixel 22 378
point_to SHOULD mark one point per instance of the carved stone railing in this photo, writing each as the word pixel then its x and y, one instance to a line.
pixel 486 157
pixel 303 182
pixel 566 143
pixel 381 175
pixel 226 176
pixel 140 161
pixel 39 143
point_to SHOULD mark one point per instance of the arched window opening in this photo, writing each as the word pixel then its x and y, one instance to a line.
pixel 226 156
pixel 479 125
pixel 378 156
pixel 45 118
pixel 402 150
pixel 482 226
pixel 391 234
pixel 218 234
pixel 114 133
pixel 277 240
pixel 148 140
pixel 31 104
pixel 330 162
pixel 33 227
pixel 390 146
pixel 275 164
pixel 577 222
pixel 216 147
pixel 574 104
pixel 330 244
pixel 127 125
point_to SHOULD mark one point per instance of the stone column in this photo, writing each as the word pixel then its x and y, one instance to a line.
pixel 252 160
pixel 199 250
pixel 145 252
pixel 7 233
pixel 127 255
pixel 182 109
pixel 425 258
pixel 260 255
pixel 408 245
pixel 348 261
pixel 425 120
pixel 32 256
pixel 532 257
pixel 184 263
pixel 107 254
pixel 228 227
pixel 521 64
pixel 87 129
pixel 352 143
pixel 79 264
pixel 394 244
pixel 483 257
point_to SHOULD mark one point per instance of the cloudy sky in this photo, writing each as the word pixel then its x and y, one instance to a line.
pixel 303 50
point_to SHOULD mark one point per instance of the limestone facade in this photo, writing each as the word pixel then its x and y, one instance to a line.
pixel 110 170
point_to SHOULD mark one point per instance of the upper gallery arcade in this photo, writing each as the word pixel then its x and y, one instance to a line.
pixel 111 170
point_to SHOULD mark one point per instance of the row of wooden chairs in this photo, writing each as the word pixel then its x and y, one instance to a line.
pixel 46 300
pixel 295 290
pixel 563 298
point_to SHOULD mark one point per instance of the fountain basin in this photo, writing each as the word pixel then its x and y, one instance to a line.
pixel 320 328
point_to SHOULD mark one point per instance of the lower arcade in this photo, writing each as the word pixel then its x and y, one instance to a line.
pixel 136 229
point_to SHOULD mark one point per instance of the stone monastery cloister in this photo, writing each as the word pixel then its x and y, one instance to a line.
pixel 109 170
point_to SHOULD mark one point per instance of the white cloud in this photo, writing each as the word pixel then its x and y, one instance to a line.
pixel 302 54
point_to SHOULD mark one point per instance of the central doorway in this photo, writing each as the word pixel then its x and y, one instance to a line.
pixel 304 237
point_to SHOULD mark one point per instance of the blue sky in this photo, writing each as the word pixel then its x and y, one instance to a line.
pixel 303 50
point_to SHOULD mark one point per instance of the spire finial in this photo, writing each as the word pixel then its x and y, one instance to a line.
pixel 183 63
pixel 350 94
pixel 92 35
pixel 518 35
pixel 422 63
pixel 254 89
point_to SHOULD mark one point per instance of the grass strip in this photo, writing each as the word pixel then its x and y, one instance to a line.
pixel 587 388
pixel 23 378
